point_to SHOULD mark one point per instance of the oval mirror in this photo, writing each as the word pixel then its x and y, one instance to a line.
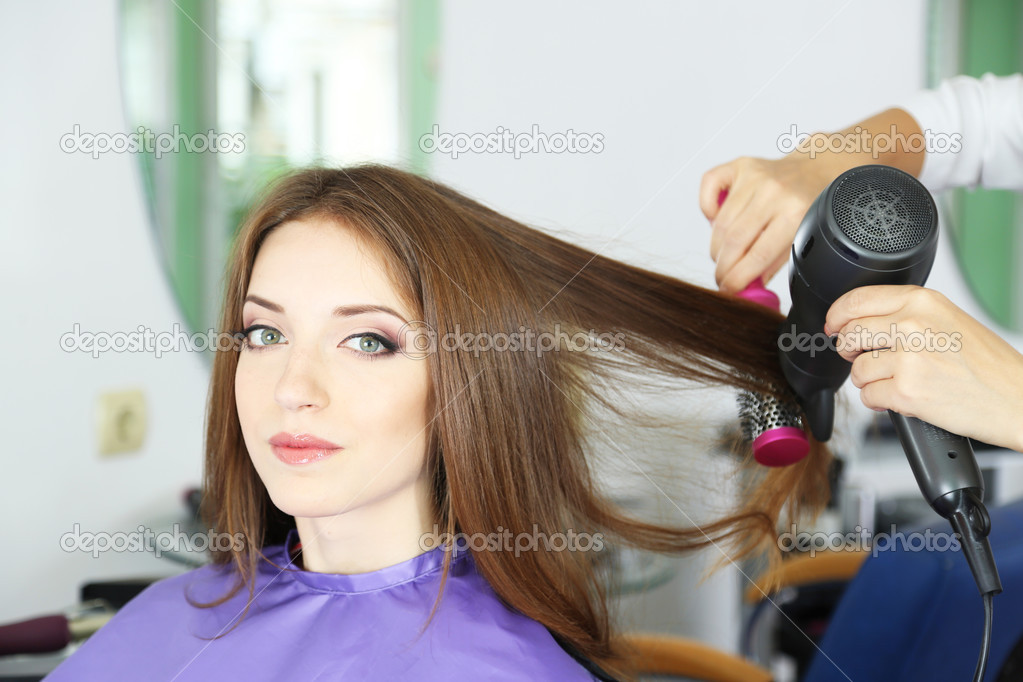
pixel 228 94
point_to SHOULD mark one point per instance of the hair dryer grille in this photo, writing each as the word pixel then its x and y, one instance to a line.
pixel 883 210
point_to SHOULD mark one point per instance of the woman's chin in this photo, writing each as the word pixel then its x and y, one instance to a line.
pixel 299 505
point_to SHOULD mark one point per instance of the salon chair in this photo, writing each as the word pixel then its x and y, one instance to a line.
pixel 905 616
pixel 810 585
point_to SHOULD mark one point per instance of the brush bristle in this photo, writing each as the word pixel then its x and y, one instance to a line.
pixel 759 413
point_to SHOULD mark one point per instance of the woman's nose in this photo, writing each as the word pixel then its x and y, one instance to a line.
pixel 301 385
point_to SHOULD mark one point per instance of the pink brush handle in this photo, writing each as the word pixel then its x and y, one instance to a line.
pixel 755 290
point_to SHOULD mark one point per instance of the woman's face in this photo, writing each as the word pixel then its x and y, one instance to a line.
pixel 323 363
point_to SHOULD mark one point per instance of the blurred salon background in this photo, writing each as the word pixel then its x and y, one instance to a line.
pixel 98 238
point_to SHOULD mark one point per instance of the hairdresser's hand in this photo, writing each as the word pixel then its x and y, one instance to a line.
pixel 753 229
pixel 755 226
pixel 938 363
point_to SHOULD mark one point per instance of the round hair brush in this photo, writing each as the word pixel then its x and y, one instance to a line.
pixel 771 425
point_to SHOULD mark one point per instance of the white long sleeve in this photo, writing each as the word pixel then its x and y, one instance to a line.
pixel 987 116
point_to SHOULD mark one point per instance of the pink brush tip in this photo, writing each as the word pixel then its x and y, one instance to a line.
pixel 781 446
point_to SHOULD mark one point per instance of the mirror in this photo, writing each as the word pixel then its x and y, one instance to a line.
pixel 231 93
pixel 984 224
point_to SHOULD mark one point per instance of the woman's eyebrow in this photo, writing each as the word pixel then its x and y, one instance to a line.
pixel 340 311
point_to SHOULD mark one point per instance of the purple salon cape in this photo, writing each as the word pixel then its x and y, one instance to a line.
pixel 322 626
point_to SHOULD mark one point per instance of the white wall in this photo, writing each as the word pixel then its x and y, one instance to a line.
pixel 77 249
pixel 675 88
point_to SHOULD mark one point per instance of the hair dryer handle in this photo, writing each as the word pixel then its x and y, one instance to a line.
pixel 941 461
pixel 946 470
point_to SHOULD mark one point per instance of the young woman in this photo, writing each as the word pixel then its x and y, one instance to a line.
pixel 414 364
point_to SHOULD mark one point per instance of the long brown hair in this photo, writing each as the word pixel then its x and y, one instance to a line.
pixel 508 446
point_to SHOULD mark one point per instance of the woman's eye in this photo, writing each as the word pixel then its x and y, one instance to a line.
pixel 261 336
pixel 370 344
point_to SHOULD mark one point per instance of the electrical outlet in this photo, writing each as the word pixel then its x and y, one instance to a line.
pixel 121 421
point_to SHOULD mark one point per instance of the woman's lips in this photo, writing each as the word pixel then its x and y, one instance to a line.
pixel 301 448
pixel 301 455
